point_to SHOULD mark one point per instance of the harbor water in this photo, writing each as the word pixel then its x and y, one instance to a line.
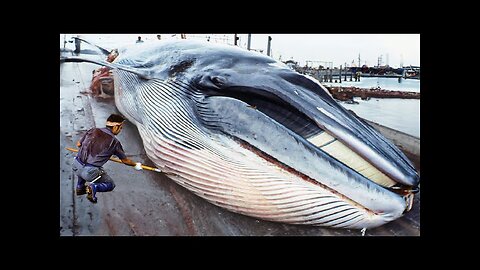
pixel 399 114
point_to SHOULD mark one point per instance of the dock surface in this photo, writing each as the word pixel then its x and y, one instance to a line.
pixel 146 203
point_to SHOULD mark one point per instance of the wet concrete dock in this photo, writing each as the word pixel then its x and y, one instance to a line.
pixel 146 203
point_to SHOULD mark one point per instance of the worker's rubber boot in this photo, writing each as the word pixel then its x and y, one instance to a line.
pixel 104 187
pixel 91 191
pixel 81 189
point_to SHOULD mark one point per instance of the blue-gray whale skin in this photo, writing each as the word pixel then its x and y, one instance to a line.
pixel 243 131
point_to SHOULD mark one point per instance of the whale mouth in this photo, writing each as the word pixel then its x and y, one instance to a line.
pixel 309 132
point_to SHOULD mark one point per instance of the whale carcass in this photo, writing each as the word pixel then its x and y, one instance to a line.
pixel 247 133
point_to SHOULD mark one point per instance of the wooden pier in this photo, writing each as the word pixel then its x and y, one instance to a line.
pixel 338 75
pixel 331 75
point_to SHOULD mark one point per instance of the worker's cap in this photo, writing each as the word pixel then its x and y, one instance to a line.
pixel 115 120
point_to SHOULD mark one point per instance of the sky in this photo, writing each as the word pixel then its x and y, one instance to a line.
pixel 342 48
pixel 329 49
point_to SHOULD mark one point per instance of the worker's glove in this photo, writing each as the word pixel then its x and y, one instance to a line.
pixel 138 166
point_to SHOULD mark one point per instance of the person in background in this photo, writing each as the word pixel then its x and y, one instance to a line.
pixel 139 40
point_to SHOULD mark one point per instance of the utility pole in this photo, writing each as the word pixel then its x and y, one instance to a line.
pixel 249 39
pixel 379 63
pixel 77 45
pixel 268 45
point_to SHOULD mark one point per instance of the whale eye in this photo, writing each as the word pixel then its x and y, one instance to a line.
pixel 218 81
